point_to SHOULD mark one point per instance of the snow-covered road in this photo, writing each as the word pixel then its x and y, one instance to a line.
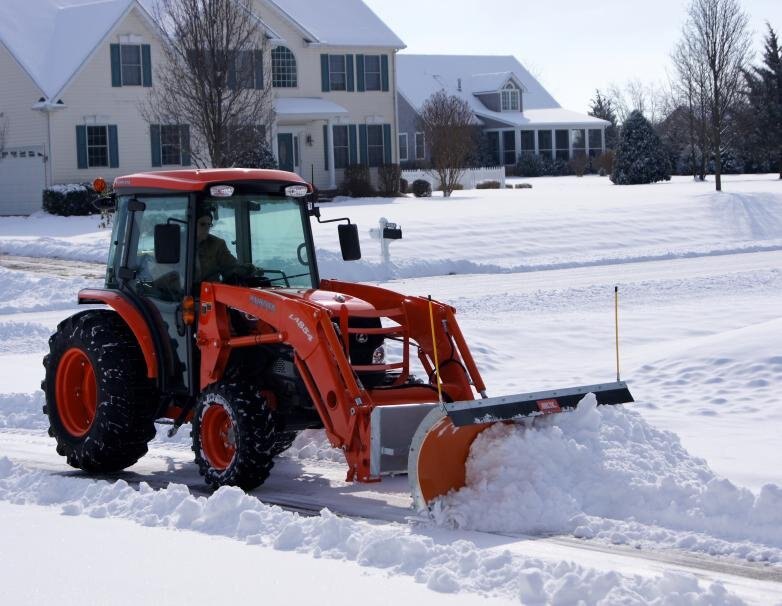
pixel 597 505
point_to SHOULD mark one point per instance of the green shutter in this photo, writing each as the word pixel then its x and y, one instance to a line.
pixel 353 150
pixel 184 142
pixel 258 66
pixel 387 159
pixel 113 146
pixel 154 138
pixel 360 87
pixel 231 59
pixel 116 66
pixel 325 85
pixel 326 146
pixel 363 148
pixel 81 146
pixel 349 71
pixel 384 71
pixel 146 65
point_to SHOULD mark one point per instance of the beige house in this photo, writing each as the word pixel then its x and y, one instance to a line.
pixel 75 71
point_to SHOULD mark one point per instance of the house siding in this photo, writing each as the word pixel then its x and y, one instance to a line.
pixel 91 99
pixel 491 101
pixel 367 107
pixel 408 123
pixel 17 96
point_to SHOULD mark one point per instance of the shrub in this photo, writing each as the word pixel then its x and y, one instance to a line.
pixel 456 187
pixel 523 185
pixel 604 163
pixel 579 165
pixel 488 185
pixel 70 200
pixel 357 183
pixel 640 156
pixel 403 185
pixel 529 166
pixel 422 188
pixel 389 175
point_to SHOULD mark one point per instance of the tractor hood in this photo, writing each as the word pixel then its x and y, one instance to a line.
pixel 333 301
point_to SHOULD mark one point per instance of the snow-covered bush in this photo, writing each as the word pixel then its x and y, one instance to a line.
pixel 70 199
pixel 488 185
pixel 640 155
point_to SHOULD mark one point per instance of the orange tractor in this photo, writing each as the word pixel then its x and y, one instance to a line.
pixel 214 313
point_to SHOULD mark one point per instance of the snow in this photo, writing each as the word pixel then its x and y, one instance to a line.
pixel 555 511
pixel 39 33
pixel 308 106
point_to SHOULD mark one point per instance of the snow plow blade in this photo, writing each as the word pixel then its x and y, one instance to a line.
pixel 439 449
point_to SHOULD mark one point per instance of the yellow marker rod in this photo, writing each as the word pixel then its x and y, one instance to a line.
pixel 434 348
pixel 616 327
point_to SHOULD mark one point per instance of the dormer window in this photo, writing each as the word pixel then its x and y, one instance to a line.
pixel 511 101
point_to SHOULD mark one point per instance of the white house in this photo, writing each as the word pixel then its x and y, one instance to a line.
pixel 75 71
pixel 516 112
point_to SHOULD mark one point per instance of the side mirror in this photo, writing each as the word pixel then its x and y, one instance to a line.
pixel 167 243
pixel 348 242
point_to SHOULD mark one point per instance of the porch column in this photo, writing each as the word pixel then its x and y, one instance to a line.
pixel 330 149
pixel 553 143
pixel 517 141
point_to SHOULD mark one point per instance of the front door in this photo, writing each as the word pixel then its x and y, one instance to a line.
pixel 285 151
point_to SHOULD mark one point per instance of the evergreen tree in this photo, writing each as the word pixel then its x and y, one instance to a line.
pixel 764 85
pixel 603 108
pixel 640 155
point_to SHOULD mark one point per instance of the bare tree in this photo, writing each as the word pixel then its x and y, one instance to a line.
pixel 635 95
pixel 717 43
pixel 448 125
pixel 214 78
pixel 691 91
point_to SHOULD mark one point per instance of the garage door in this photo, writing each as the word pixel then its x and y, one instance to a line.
pixel 22 179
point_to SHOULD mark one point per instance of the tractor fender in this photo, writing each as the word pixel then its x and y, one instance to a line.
pixel 132 317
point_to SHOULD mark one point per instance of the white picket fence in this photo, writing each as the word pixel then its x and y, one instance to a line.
pixel 470 178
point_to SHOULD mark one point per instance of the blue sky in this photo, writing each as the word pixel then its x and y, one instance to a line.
pixel 572 46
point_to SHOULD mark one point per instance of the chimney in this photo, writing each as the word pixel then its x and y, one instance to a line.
pixel 459 84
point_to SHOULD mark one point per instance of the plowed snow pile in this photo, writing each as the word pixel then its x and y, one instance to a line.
pixel 606 473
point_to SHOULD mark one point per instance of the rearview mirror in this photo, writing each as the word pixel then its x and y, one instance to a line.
pixel 167 243
pixel 105 203
pixel 348 242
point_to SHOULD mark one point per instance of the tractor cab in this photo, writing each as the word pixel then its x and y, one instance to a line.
pixel 174 231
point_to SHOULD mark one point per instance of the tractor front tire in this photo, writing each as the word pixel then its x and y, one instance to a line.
pixel 100 404
pixel 233 435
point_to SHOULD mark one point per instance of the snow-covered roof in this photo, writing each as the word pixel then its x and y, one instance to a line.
pixel 310 107
pixel 51 39
pixel 338 22
pixel 418 76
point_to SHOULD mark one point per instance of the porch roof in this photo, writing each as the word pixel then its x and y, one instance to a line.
pixel 307 108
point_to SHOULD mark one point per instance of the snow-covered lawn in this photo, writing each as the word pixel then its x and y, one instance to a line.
pixel 693 468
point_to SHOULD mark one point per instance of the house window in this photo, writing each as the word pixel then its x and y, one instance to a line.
pixel 402 147
pixel 509 147
pixel 544 143
pixel 97 146
pixel 419 146
pixel 283 68
pixel 130 61
pixel 578 137
pixel 375 144
pixel 563 145
pixel 372 78
pixel 510 99
pixel 337 72
pixel 527 142
pixel 341 146
pixel 595 142
pixel 170 144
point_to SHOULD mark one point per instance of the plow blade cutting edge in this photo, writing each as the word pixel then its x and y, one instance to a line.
pixel 441 443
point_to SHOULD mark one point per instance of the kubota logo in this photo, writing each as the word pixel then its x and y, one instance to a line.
pixel 547 406
pixel 302 327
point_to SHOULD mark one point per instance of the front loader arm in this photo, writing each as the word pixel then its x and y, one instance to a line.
pixel 343 405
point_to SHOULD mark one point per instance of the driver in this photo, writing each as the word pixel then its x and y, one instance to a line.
pixel 213 256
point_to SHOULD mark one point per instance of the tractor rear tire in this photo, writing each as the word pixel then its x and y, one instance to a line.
pixel 234 433
pixel 100 404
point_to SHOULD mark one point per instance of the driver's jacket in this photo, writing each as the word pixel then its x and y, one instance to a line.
pixel 213 258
